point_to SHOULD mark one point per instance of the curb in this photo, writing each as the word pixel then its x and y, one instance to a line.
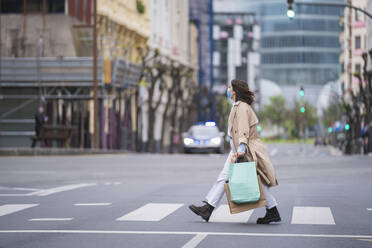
pixel 56 151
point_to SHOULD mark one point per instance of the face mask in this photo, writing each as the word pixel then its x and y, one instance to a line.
pixel 228 93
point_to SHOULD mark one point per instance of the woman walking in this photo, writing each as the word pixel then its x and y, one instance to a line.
pixel 243 136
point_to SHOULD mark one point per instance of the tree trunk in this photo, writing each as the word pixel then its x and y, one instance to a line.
pixel 164 118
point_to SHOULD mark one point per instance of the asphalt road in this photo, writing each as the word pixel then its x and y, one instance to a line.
pixel 140 200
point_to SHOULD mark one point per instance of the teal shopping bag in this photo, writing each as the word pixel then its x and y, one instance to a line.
pixel 243 183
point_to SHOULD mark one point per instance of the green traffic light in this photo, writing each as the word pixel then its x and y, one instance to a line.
pixel 259 128
pixel 302 93
pixel 347 126
pixel 329 130
pixel 302 109
pixel 290 13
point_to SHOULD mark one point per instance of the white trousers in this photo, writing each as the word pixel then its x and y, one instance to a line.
pixel 217 191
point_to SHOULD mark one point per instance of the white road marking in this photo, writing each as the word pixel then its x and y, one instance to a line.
pixel 151 212
pixel 299 235
pixel 195 241
pixel 312 216
pixel 12 208
pixel 117 183
pixel 369 209
pixel 18 188
pixel 108 183
pixel 15 194
pixel 274 152
pixel 93 204
pixel 222 214
pixel 50 219
pixel 46 192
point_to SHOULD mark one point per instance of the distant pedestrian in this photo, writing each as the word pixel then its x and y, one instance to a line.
pixel 243 133
pixel 40 120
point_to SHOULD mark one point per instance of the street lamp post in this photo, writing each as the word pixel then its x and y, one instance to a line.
pixel 95 97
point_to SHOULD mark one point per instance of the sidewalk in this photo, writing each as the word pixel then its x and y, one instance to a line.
pixel 25 151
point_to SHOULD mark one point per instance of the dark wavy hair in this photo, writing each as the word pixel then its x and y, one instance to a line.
pixel 243 93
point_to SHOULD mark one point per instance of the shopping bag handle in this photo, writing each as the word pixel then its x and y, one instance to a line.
pixel 254 157
pixel 241 160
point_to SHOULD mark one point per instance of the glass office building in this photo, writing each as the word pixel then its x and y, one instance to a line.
pixel 301 51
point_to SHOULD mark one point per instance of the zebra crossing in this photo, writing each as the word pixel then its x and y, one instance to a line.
pixel 156 212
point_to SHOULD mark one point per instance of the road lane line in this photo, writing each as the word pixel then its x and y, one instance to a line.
pixel 222 214
pixel 50 191
pixel 369 209
pixel 12 208
pixel 298 235
pixel 151 212
pixel 15 194
pixel 312 216
pixel 17 188
pixel 93 204
pixel 25 189
pixel 195 241
pixel 50 219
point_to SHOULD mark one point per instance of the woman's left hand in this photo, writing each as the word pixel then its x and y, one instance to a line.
pixel 240 154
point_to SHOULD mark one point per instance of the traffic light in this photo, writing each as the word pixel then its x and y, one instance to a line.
pixel 302 92
pixel 347 126
pixel 302 109
pixel 259 128
pixel 290 12
pixel 329 129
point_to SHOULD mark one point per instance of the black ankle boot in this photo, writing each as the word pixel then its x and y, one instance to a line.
pixel 272 215
pixel 204 211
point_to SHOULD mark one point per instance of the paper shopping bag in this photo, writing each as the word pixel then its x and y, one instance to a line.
pixel 237 208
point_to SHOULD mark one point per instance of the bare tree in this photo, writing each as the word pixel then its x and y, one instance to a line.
pixel 154 69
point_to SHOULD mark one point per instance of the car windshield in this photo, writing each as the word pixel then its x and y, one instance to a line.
pixel 204 131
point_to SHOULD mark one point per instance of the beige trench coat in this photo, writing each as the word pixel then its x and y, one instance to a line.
pixel 243 129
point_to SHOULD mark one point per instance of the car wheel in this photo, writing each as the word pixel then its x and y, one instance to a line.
pixel 186 151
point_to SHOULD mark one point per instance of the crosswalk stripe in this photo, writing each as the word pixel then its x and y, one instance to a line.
pixel 12 208
pixel 151 212
pixel 222 214
pixel 195 241
pixel 312 216
pixel 93 204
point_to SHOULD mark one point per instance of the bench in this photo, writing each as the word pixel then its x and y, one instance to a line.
pixel 61 134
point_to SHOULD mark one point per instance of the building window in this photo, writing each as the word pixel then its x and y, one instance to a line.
pixel 32 6
pixel 12 6
pixel 357 68
pixel 358 16
pixel 56 6
pixel 357 42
